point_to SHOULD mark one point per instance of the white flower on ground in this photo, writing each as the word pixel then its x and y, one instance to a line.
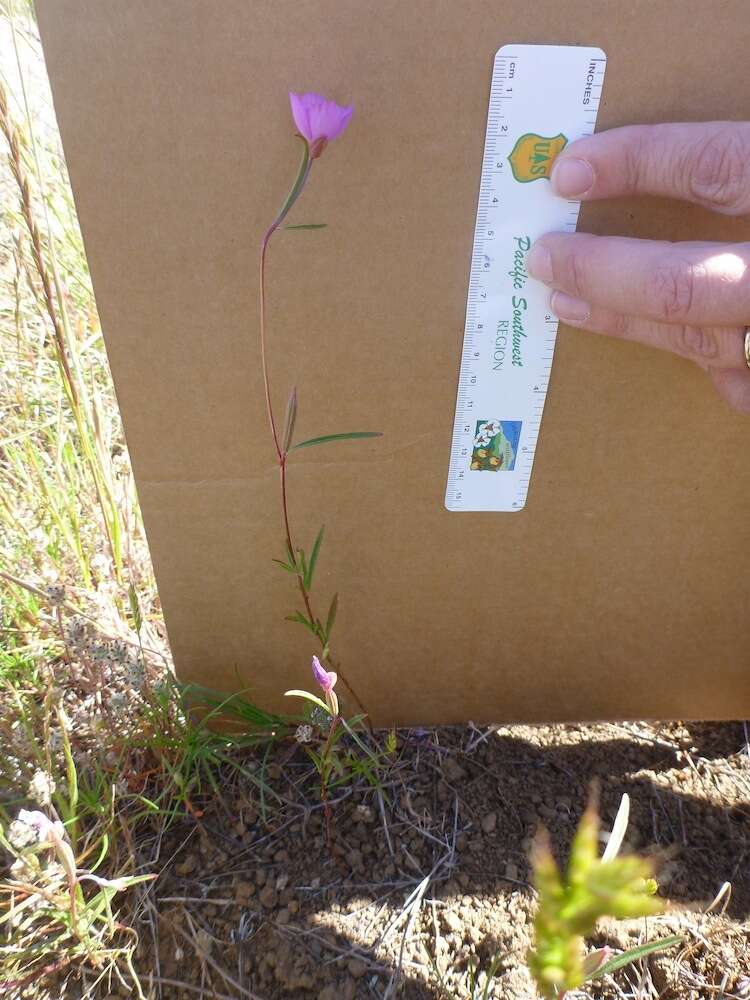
pixel 304 733
pixel 56 595
pixel 77 631
pixel 118 701
pixel 22 868
pixel 37 830
pixel 41 788
pixel 21 835
pixel 45 830
pixel 135 674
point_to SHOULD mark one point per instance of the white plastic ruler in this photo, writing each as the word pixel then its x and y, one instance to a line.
pixel 542 97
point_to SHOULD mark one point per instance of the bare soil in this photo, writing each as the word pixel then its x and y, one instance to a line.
pixel 431 876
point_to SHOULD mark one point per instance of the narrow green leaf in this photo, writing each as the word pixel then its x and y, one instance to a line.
pixel 102 853
pixel 365 749
pixel 289 420
pixel 313 559
pixel 300 618
pixel 286 566
pixel 356 719
pixel 351 435
pixel 308 697
pixel 148 802
pixel 634 954
pixel 331 615
pixel 309 225
pixel 135 609
pixel 302 564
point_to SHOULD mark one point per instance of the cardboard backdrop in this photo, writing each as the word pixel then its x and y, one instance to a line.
pixel 622 589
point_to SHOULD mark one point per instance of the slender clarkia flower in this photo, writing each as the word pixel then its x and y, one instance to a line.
pixel 327 680
pixel 319 120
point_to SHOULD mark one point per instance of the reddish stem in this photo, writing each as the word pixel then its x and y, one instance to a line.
pixel 303 590
pixel 264 361
pixel 324 782
pixel 280 453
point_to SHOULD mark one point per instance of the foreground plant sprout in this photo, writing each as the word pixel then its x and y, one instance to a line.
pixel 570 904
pixel 335 763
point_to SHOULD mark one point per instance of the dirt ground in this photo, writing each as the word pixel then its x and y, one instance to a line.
pixel 433 874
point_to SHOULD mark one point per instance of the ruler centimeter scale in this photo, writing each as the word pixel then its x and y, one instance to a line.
pixel 542 97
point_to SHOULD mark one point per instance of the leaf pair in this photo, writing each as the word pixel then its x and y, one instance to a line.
pixel 299 564
pixel 320 631
pixel 291 418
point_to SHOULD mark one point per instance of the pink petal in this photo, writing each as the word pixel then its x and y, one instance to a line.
pixel 318 118
pixel 300 114
pixel 321 675
pixel 328 120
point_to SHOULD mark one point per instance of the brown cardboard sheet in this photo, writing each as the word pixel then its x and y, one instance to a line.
pixel 622 588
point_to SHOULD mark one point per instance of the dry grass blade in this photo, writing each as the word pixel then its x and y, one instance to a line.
pixel 619 829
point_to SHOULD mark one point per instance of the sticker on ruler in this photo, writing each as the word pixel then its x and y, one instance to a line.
pixel 542 98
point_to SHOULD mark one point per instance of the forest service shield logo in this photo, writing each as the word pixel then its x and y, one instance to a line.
pixel 533 156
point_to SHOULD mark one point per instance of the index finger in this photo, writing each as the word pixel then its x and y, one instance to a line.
pixel 694 283
pixel 704 162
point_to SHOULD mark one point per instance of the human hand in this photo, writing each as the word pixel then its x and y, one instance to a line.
pixel 690 298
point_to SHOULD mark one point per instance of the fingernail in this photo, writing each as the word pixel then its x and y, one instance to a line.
pixel 539 263
pixel 571 177
pixel 570 309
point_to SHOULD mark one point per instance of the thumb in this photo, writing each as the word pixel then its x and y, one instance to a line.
pixel 705 162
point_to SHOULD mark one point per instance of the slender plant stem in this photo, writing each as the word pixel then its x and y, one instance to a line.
pixel 263 352
pixel 324 774
pixel 302 176
pixel 303 589
pixel 61 628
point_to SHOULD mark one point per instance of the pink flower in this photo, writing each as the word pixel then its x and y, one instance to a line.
pixel 319 120
pixel 326 678
pixel 595 960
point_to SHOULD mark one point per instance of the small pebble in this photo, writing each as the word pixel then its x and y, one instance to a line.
pixel 354 858
pixel 282 882
pixel 243 891
pixel 364 814
pixel 489 822
pixel 268 897
pixel 357 968
pixel 187 867
pixel 453 770
pixel 452 921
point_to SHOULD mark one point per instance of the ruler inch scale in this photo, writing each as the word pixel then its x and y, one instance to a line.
pixel 542 98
